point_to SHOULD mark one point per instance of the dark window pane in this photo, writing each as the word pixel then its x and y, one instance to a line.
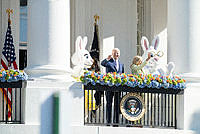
pixel 23 2
pixel 22 59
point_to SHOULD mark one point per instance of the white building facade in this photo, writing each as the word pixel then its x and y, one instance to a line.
pixel 53 26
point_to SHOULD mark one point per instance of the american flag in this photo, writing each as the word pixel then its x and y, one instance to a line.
pixel 8 61
pixel 8 58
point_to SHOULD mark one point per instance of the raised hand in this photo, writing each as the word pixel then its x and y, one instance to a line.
pixel 109 57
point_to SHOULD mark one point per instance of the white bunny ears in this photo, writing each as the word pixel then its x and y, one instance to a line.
pixel 79 50
pixel 145 43
pixel 155 42
pixel 81 43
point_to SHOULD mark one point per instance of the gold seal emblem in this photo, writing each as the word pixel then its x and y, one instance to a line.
pixel 132 106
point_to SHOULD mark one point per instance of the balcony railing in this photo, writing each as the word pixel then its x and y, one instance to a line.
pixel 160 105
pixel 12 102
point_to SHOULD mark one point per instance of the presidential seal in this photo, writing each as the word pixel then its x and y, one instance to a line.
pixel 132 106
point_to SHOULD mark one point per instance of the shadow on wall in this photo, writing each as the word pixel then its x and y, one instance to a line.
pixel 46 116
pixel 77 90
pixel 194 125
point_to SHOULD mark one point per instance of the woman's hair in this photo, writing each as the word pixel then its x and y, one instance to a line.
pixel 136 59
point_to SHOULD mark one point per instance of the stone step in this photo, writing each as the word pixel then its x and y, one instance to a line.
pixel 19 129
pixel 126 130
pixel 36 129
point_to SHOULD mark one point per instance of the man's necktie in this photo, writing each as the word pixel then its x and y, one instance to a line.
pixel 117 65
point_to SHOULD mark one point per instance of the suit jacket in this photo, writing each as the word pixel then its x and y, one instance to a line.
pixel 111 66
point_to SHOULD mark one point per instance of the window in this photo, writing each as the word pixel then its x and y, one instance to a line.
pixel 23 35
pixel 23 2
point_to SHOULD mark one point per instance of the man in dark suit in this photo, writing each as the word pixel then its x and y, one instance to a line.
pixel 113 64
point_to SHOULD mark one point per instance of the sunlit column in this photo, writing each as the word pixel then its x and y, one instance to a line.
pixel 183 42
pixel 48 35
pixel 183 35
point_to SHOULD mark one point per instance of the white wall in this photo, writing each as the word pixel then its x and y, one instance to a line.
pixel 158 16
pixel 191 114
pixel 39 105
pixel 119 24
pixel 159 25
pixel 155 23
pixel 117 20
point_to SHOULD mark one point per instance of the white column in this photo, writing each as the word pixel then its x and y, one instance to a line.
pixel 183 35
pixel 48 36
pixel 183 50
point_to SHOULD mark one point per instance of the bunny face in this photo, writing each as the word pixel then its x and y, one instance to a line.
pixel 88 61
pixel 155 54
pixel 81 57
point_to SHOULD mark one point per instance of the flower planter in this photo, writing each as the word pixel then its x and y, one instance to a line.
pixel 133 83
pixel 126 88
